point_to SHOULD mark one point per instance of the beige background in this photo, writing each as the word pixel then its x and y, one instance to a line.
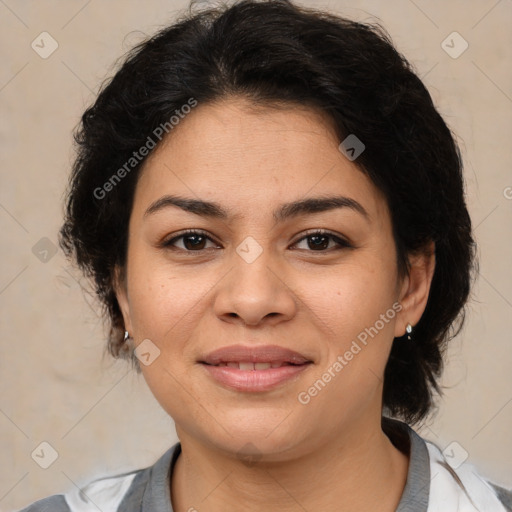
pixel 96 413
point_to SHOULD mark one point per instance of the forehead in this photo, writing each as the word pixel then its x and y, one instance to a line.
pixel 243 155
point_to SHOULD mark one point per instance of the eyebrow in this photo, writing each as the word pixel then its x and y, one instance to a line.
pixel 283 212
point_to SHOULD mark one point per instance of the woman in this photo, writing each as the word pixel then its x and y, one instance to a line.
pixel 273 213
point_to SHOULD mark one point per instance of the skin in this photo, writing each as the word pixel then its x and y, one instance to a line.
pixel 314 301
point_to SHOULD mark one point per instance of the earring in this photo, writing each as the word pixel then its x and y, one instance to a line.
pixel 126 336
pixel 409 330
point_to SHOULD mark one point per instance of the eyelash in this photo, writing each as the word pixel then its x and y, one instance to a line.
pixel 342 244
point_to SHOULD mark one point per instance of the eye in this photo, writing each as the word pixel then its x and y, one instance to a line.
pixel 193 241
pixel 319 241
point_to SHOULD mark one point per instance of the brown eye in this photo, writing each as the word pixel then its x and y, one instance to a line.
pixel 319 241
pixel 192 241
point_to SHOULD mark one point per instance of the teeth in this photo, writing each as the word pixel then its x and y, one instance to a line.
pixel 252 366
pixel 261 366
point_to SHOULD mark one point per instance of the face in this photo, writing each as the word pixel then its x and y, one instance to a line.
pixel 319 279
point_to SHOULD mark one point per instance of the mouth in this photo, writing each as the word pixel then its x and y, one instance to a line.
pixel 248 365
pixel 273 355
pixel 254 369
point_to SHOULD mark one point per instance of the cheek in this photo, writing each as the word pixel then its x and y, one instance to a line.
pixel 355 310
pixel 350 298
pixel 164 301
pixel 355 306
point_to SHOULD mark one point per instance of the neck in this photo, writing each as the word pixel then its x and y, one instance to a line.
pixel 358 470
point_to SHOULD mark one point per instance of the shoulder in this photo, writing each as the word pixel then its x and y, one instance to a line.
pixel 457 485
pixel 120 492
pixel 55 503
pixel 443 481
pixel 104 493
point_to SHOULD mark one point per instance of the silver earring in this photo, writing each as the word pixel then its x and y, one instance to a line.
pixel 409 330
pixel 126 336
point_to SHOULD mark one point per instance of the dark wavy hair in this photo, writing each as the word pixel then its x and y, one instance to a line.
pixel 273 52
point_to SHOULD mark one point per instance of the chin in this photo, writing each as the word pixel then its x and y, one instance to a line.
pixel 263 448
pixel 256 434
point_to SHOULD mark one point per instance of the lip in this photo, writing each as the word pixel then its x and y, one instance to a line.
pixel 254 354
pixel 254 380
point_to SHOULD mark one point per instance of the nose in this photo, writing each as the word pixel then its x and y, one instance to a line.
pixel 254 293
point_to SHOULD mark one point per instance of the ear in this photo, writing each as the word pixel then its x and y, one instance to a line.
pixel 121 292
pixel 415 288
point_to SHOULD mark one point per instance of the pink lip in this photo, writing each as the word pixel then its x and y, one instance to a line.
pixel 254 380
pixel 254 354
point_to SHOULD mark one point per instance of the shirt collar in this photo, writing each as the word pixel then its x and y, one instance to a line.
pixel 417 488
pixel 157 498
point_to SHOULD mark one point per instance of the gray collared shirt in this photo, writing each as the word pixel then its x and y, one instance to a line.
pixel 148 490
